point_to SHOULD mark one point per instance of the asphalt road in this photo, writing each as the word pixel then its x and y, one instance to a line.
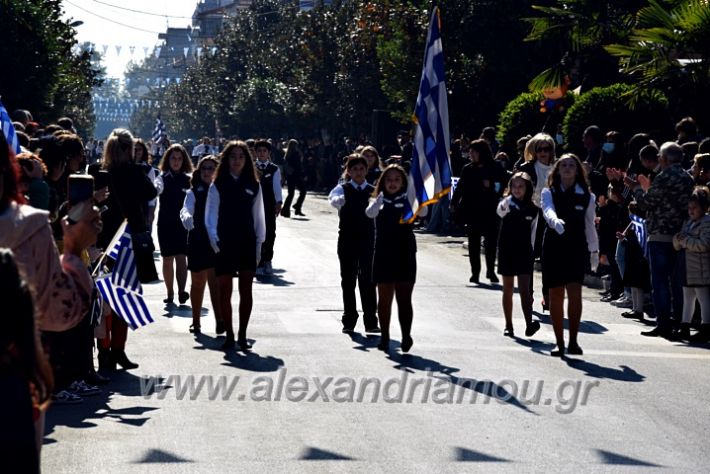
pixel 465 398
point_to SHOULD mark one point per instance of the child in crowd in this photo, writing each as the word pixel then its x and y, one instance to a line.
pixel 172 184
pixel 570 245
pixel 693 241
pixel 270 180
pixel 356 237
pixel 395 261
pixel 234 217
pixel 515 257
pixel 200 256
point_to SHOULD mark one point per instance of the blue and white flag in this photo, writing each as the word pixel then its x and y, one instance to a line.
pixel 430 173
pixel 9 130
pixel 159 133
pixel 122 289
pixel 639 226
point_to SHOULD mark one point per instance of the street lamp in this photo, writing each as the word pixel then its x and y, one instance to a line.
pixel 76 23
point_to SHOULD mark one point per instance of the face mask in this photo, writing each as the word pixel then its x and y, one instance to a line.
pixel 560 139
pixel 608 148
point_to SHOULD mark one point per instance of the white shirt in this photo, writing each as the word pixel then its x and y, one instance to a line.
pixel 212 216
pixel 590 231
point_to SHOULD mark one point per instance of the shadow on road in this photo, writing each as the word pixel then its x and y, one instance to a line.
pixel 275 279
pixel 623 374
pixel 249 360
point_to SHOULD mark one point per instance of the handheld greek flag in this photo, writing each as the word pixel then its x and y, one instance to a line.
pixel 9 130
pixel 122 289
pixel 159 133
pixel 430 172
pixel 639 226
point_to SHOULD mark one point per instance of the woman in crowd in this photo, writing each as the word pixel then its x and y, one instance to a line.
pixel 173 183
pixel 200 256
pixel 129 192
pixel 474 201
pixel 374 169
pixel 234 217
pixel 570 245
pixel 142 157
pixel 293 168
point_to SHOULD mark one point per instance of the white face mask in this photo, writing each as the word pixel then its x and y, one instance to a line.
pixel 608 147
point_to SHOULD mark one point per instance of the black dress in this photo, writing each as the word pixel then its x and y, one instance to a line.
pixel 515 249
pixel 172 236
pixel 565 258
pixel 395 257
pixel 200 255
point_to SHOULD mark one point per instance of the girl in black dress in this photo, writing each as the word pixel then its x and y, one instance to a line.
pixel 173 183
pixel 236 227
pixel 570 245
pixel 515 252
pixel 395 263
pixel 200 256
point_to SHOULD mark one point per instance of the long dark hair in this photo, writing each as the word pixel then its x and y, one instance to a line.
pixel 141 144
pixel 20 349
pixel 196 179
pixel 529 188
pixel 10 175
pixel 553 181
pixel 483 148
pixel 249 171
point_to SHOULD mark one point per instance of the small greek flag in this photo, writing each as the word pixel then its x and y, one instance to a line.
pixel 639 226
pixel 122 289
pixel 430 173
pixel 9 130
pixel 159 133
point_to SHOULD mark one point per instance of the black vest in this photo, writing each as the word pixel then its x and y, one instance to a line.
pixel 516 226
pixel 173 196
pixel 571 207
pixel 266 179
pixel 390 235
pixel 200 193
pixel 353 220
pixel 236 200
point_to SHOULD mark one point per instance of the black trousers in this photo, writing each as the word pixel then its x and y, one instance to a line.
pixel 293 184
pixel 489 233
pixel 356 268
pixel 267 248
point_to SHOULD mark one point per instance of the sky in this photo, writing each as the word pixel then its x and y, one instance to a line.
pixel 126 29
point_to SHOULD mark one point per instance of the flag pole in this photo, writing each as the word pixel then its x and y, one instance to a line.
pixel 112 244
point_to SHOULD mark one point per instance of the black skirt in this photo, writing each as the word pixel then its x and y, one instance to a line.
pixel 200 255
pixel 564 259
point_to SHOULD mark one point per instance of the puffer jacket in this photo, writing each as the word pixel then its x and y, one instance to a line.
pixel 61 286
pixel 694 238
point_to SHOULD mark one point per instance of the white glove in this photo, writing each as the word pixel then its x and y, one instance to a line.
pixel 559 226
pixel 504 206
pixel 188 222
pixel 215 247
pixel 594 261
pixel 338 202
pixel 374 208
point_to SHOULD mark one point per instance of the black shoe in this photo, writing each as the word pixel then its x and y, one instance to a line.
pixel 682 333
pixel 632 315
pixel 532 328
pixel 558 351
pixel 574 350
pixel 96 379
pixel 474 279
pixel 610 297
pixel 120 358
pixel 493 278
pixel 195 329
pixel 183 297
pixel 657 332
pixel 106 362
pixel 243 344
pixel 373 330
pixel 298 212
pixel 228 342
pixel 508 332
pixel 285 212
pixel 407 343
pixel 168 300
pixel 384 344
pixel 219 328
pixel 348 330
pixel 703 335
pixel 604 293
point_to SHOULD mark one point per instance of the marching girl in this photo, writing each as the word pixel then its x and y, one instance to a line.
pixel 200 256
pixel 235 222
pixel 570 245
pixel 515 257
pixel 395 263
pixel 172 184
pixel 374 168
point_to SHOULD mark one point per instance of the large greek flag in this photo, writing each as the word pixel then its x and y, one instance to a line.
pixel 159 133
pixel 430 173
pixel 122 289
pixel 9 130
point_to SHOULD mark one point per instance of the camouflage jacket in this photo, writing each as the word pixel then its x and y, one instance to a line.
pixel 666 202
